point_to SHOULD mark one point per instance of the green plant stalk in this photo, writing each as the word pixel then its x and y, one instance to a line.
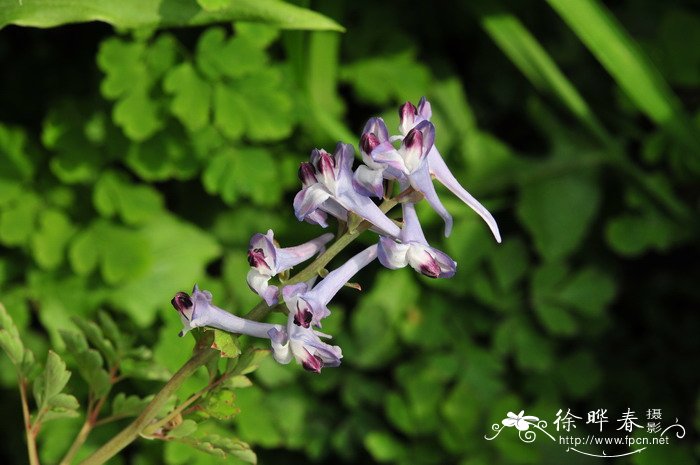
pixel 131 432
pixel 28 430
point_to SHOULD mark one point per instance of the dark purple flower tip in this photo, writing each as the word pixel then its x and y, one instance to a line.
pixel 414 140
pixel 303 317
pixel 326 163
pixel 307 174
pixel 256 258
pixel 431 268
pixel 181 302
pixel 407 112
pixel 368 142
pixel 312 363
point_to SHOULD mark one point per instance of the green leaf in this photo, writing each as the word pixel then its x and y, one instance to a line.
pixel 223 447
pixel 226 343
pixel 184 429
pixel 633 234
pixel 221 405
pixel 523 49
pixel 388 79
pixel 251 172
pixel 558 213
pixel 249 361
pixel 49 242
pixel 94 334
pixel 589 291
pixel 135 203
pixel 51 381
pixel 138 115
pixel 17 221
pixel 178 253
pixel 129 406
pixel 149 14
pixel 11 343
pixel 89 363
pixel 509 262
pixel 605 37
pixel 166 155
pixel 191 96
pixel 233 57
pixel 383 446
pixel 256 106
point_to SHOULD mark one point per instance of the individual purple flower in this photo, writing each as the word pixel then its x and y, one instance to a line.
pixel 369 178
pixel 309 306
pixel 290 341
pixel 408 164
pixel 414 250
pixel 268 260
pixel 328 187
pixel 197 311
pixel 412 117
pixel 305 345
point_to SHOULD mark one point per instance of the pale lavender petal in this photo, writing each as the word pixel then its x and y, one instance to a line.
pixel 407 115
pixel 431 261
pixel 281 350
pixel 344 155
pixel 289 257
pixel 329 286
pixel 368 182
pixel 261 252
pixel 443 174
pixel 293 290
pixel 377 127
pixel 422 182
pixel 424 109
pixel 317 217
pixel 391 254
pixel 334 208
pixel 411 231
pixel 365 208
pixel 204 313
pixel 258 283
pixel 387 156
pixel 309 199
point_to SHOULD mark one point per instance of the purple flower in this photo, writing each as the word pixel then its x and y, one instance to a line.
pixel 197 311
pixel 305 345
pixel 411 118
pixel 369 178
pixel 268 260
pixel 328 188
pixel 290 341
pixel 414 250
pixel 309 306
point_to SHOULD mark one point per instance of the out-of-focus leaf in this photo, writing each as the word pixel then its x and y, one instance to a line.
pixel 383 446
pixel 18 221
pixel 387 79
pixel 129 406
pixel 89 362
pixel 223 447
pixel 633 234
pixel 533 61
pixel 184 429
pixel 11 343
pixel 179 252
pixel 134 203
pixel 148 14
pixel 250 172
pixel 605 37
pixel 249 361
pixel 232 57
pixel 49 242
pixel 191 96
pixel 546 210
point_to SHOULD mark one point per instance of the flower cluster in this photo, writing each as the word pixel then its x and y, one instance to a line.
pixel 331 187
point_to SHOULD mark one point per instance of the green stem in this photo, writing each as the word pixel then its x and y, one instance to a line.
pixel 28 430
pixel 131 432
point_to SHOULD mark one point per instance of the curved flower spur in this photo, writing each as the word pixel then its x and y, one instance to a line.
pixel 388 159
pixel 330 187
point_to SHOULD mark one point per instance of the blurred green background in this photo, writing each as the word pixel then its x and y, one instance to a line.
pixel 136 162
